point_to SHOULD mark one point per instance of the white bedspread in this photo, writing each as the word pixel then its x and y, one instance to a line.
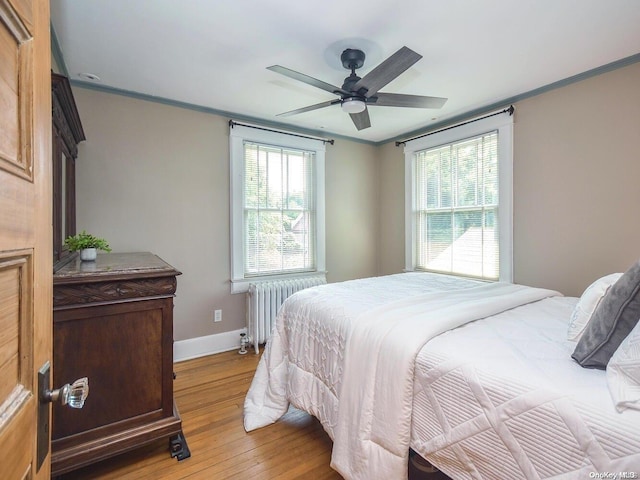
pixel 307 363
pixel 502 398
pixel 374 417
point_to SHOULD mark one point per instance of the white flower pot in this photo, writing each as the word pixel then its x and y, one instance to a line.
pixel 88 254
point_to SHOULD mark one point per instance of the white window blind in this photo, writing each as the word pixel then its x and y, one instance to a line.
pixel 456 210
pixel 277 206
pixel 458 200
pixel 279 210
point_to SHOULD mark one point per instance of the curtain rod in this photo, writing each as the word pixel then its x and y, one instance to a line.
pixel 233 123
pixel 509 110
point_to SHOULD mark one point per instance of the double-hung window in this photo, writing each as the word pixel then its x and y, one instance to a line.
pixel 277 206
pixel 458 200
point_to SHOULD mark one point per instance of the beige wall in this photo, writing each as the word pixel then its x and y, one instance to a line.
pixel 391 209
pixel 153 177
pixel 54 65
pixel 576 184
pixel 352 222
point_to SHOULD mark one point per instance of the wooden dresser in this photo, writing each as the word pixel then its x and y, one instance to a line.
pixel 113 323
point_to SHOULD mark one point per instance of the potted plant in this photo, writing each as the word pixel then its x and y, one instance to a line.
pixel 87 245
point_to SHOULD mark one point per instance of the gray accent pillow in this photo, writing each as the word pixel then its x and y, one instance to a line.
pixel 612 321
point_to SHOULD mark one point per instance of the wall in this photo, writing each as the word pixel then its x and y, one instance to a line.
pixel 576 194
pixel 352 222
pixel 391 209
pixel 153 177
pixel 576 182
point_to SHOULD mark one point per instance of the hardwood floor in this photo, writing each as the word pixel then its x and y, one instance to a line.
pixel 210 393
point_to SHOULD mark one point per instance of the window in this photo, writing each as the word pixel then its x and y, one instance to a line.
pixel 277 190
pixel 458 203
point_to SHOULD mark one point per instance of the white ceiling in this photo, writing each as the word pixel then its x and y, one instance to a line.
pixel 214 53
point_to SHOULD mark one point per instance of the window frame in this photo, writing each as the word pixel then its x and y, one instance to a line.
pixel 237 137
pixel 503 124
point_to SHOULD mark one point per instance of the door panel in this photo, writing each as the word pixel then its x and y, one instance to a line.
pixel 16 84
pixel 16 340
pixel 25 229
pixel 13 455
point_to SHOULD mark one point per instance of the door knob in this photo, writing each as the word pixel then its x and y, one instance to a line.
pixel 73 394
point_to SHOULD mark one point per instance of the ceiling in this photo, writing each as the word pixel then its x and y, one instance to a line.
pixel 214 54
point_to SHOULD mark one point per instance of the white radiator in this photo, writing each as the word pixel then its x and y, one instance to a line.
pixel 263 302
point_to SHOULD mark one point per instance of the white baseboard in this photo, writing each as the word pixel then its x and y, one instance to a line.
pixel 207 345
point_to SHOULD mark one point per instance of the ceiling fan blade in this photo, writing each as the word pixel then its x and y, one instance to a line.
pixel 309 108
pixel 387 71
pixel 401 100
pixel 301 77
pixel 361 120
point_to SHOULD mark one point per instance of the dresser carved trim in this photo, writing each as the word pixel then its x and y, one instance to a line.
pixel 86 293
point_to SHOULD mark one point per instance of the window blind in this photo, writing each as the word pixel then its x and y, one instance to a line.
pixel 279 210
pixel 456 207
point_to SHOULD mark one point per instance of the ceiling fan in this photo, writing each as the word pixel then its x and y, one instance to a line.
pixel 356 93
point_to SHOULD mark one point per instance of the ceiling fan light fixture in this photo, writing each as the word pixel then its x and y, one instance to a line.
pixel 353 105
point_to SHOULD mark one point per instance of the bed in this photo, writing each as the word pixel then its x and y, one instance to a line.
pixel 475 377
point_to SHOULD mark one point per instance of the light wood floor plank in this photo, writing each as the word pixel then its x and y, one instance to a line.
pixel 209 393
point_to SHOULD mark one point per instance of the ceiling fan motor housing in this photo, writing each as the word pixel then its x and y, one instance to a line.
pixel 352 59
pixel 349 84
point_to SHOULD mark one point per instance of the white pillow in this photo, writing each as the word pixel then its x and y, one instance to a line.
pixel 588 303
pixel 623 372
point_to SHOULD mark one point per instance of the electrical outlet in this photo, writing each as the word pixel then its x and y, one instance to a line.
pixel 217 316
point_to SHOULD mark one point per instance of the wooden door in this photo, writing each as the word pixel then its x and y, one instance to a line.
pixel 25 230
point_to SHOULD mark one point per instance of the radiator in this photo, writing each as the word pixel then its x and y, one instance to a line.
pixel 263 302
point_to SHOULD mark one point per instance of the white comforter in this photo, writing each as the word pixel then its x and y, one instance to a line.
pixel 522 407
pixel 345 353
